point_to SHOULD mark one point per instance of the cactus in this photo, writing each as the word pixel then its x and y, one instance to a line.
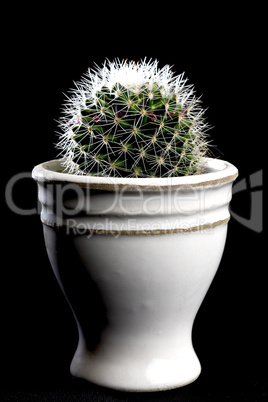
pixel 130 119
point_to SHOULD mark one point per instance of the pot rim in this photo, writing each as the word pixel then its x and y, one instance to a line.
pixel 216 172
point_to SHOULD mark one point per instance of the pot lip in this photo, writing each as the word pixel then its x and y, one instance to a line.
pixel 217 172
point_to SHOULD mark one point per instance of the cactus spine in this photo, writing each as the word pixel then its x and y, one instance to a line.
pixel 133 120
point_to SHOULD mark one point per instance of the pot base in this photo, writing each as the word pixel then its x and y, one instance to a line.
pixel 132 373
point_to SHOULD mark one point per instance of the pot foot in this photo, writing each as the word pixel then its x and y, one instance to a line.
pixel 137 375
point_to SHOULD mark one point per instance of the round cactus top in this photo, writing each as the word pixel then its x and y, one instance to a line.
pixel 128 119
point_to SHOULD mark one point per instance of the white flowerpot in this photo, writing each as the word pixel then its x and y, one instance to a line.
pixel 135 258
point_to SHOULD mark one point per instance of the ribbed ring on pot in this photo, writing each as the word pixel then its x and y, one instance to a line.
pixel 131 206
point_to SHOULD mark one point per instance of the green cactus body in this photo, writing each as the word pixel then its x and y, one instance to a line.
pixel 148 127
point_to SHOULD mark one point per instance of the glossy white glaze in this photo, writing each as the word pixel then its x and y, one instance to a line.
pixel 149 255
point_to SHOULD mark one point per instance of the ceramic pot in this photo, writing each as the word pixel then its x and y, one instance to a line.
pixel 135 258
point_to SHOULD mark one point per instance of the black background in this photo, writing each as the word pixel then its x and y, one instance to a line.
pixel 222 53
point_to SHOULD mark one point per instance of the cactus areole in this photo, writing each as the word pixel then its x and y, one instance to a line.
pixel 128 119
